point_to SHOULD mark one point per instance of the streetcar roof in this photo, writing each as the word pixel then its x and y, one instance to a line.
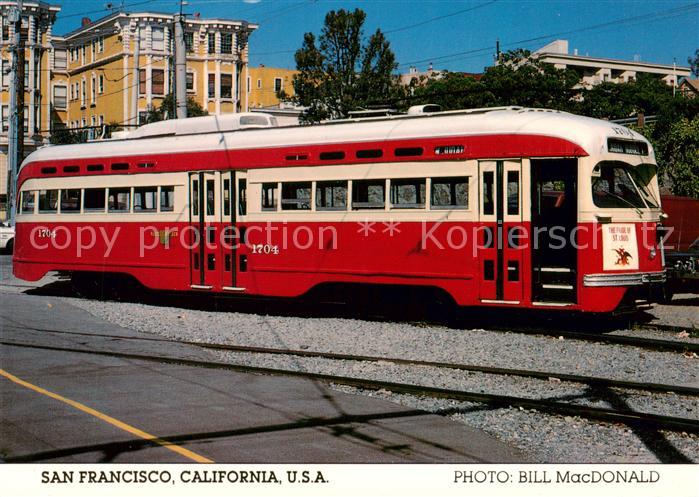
pixel 214 133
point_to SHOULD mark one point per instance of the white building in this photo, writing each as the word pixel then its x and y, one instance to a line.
pixel 594 71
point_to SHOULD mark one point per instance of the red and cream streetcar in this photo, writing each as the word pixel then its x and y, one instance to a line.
pixel 506 207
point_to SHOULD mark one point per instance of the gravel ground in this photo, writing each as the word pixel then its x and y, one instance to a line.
pixel 550 438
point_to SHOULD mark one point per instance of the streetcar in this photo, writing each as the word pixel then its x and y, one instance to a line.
pixel 498 207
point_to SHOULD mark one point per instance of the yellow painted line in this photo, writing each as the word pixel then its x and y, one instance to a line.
pixel 112 421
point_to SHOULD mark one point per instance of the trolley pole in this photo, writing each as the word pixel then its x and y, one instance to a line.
pixel 15 135
pixel 180 67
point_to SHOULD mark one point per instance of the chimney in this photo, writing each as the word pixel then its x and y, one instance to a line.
pixel 85 22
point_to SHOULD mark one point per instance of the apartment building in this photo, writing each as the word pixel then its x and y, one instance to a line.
pixel 266 83
pixel 598 70
pixel 115 69
pixel 122 65
pixel 36 31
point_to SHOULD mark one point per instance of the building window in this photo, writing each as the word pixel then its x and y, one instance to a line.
pixel 101 83
pixel 259 84
pixel 226 86
pixel 5 28
pixel 142 81
pixel 278 85
pixel 212 85
pixel 158 39
pixel 5 68
pixel 100 44
pixel 190 82
pixel 212 43
pixel 60 97
pixel 93 90
pixel 83 92
pixel 189 41
pixel 227 43
pixel 158 81
pixel 60 61
pixel 5 117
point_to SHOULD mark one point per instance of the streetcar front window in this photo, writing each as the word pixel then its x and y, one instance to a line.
pixel 619 186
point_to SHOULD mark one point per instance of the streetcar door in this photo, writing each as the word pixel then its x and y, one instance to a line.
pixel 233 208
pixel 501 233
pixel 554 219
pixel 203 235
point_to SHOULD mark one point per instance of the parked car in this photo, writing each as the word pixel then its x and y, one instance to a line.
pixel 7 237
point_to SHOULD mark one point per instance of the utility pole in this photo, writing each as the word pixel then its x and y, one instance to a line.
pixel 180 66
pixel 15 135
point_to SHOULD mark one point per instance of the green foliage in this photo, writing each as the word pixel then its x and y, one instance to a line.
pixel 167 109
pixel 519 79
pixel 676 145
pixel 66 136
pixel 694 63
pixel 339 73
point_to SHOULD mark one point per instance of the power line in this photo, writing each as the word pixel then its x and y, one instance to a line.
pixel 427 21
pixel 666 14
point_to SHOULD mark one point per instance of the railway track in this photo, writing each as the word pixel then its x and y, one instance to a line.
pixel 628 417
pixel 525 373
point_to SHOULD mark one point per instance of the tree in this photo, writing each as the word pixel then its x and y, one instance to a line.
pixel 339 73
pixel 518 79
pixel 694 63
pixel 166 110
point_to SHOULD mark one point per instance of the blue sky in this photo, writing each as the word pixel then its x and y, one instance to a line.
pixel 454 35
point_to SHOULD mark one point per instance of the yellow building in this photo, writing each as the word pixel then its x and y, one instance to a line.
pixel 266 83
pixel 104 74
pixel 39 64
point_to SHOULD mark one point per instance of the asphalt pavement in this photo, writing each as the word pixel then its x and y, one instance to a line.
pixel 69 406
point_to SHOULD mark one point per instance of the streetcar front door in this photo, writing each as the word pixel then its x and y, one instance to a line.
pixel 203 236
pixel 502 236
pixel 554 219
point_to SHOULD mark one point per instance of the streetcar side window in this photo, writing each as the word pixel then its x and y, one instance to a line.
pixel 331 195
pixel 242 197
pixel 93 199
pixel 449 193
pixel 488 193
pixel 368 194
pixel 119 199
pixel 167 198
pixel 28 202
pixel 145 199
pixel 269 196
pixel 296 196
pixel 195 197
pixel 226 197
pixel 70 201
pixel 48 201
pixel 408 193
pixel 512 193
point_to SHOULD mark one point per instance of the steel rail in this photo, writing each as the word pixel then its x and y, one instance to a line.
pixel 627 417
pixel 525 373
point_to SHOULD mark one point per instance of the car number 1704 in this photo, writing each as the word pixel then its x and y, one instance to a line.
pixel 265 249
